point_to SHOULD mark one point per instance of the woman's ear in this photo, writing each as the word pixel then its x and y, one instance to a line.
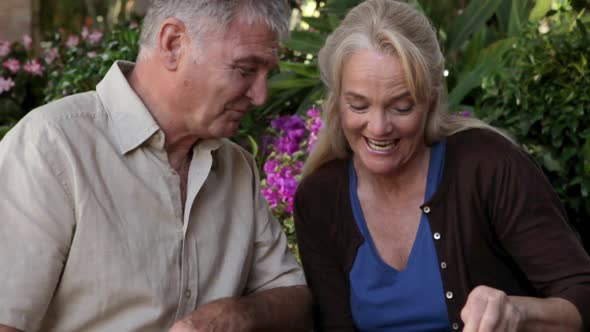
pixel 171 41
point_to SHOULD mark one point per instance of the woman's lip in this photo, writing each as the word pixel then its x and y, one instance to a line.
pixel 375 148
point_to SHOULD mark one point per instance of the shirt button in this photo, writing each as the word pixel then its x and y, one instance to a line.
pixel 436 236
pixel 443 265
pixel 449 295
pixel 455 326
pixel 187 293
pixel 427 209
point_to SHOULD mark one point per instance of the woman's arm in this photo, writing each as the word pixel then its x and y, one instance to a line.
pixel 489 309
pixel 530 224
pixel 326 278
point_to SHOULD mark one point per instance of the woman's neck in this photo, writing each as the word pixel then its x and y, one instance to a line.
pixel 408 183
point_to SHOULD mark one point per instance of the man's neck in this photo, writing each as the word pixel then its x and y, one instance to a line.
pixel 179 139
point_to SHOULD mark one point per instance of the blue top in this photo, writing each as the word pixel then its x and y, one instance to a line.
pixel 385 299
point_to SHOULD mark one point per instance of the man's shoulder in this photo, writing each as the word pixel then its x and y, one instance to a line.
pixel 63 115
pixel 86 104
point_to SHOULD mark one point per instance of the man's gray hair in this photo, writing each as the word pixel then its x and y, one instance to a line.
pixel 197 15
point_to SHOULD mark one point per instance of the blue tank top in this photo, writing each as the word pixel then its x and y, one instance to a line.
pixel 385 299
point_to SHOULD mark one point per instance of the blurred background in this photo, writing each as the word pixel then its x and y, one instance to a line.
pixel 18 17
pixel 521 65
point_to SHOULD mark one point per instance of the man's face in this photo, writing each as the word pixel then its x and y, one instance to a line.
pixel 225 77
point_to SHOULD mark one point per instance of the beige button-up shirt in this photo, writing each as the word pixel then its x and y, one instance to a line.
pixel 92 232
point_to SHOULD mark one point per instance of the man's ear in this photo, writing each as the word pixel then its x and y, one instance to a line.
pixel 171 41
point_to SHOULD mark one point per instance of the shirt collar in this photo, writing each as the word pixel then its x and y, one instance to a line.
pixel 132 122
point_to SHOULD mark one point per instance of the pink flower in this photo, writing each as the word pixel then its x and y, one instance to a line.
pixel 34 67
pixel 6 84
pixel 12 64
pixel 50 55
pixel 95 37
pixel 133 25
pixel 4 48
pixel 72 41
pixel 27 42
pixel 84 33
pixel 91 54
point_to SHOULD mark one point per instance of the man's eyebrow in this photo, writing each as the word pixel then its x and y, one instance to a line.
pixel 253 59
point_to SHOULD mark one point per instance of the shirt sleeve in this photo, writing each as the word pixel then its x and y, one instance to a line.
pixel 531 225
pixel 273 264
pixel 326 277
pixel 36 226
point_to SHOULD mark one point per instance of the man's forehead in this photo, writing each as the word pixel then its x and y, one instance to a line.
pixel 263 56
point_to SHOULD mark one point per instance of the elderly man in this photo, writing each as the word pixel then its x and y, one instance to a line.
pixel 127 209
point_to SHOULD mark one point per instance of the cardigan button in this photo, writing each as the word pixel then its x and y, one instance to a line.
pixel 427 209
pixel 455 326
pixel 443 265
pixel 436 236
pixel 449 295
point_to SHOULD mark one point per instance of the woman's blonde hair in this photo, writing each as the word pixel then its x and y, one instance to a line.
pixel 393 28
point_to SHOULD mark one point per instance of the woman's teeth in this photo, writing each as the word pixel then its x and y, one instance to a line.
pixel 382 145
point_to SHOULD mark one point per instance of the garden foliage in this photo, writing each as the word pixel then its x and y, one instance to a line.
pixel 540 95
pixel 520 64
pixel 290 139
pixel 67 64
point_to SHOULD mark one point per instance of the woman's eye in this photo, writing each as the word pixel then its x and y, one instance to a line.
pixel 358 107
pixel 404 110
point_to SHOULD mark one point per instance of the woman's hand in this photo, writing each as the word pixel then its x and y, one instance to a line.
pixel 488 309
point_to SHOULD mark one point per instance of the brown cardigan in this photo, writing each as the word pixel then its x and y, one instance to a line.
pixel 499 220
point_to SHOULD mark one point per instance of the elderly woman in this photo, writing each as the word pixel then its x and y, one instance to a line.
pixel 411 219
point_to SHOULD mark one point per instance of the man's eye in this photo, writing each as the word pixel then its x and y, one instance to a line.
pixel 245 71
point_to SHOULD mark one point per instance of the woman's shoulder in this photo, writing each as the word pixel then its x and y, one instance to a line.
pixel 328 175
pixel 324 186
pixel 481 140
pixel 487 151
pixel 483 145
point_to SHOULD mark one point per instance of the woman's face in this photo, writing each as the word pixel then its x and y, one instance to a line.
pixel 383 124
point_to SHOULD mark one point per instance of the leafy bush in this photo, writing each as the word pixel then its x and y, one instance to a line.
pixel 24 74
pixel 82 68
pixel 22 79
pixel 541 96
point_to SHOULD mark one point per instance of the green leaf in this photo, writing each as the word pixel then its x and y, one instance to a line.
pixel 306 41
pixel 473 78
pixel 297 83
pixel 518 16
pixel 550 163
pixel 339 7
pixel 470 21
pixel 586 156
pixel 318 23
pixel 542 7
pixel 253 144
pixel 311 98
pixel 306 70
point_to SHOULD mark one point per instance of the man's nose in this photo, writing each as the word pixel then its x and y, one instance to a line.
pixel 258 91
